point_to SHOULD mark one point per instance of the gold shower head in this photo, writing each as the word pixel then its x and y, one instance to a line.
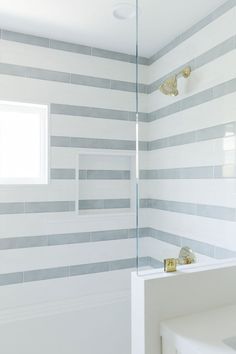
pixel 169 86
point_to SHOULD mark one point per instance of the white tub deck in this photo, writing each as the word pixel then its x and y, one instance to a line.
pixel 209 332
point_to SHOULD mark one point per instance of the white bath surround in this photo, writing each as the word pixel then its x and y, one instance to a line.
pixel 211 332
pixel 182 307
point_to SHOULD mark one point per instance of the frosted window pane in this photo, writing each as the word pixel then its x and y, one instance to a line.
pixel 23 143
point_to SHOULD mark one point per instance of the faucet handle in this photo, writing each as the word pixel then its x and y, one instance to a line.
pixel 186 256
pixel 170 265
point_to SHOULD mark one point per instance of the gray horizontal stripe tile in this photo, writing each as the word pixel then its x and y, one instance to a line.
pixel 62 173
pixel 102 143
pixel 118 56
pixel 37 207
pixel 66 239
pixel 50 75
pixel 69 173
pixel 154 263
pixel 44 274
pixel 215 132
pixel 67 271
pixel 203 59
pixel 104 204
pixel 192 30
pixel 23 242
pixel 11 69
pixel 49 207
pixel 34 73
pixel 143 262
pixel 142 232
pixel 70 47
pixel 25 38
pixel 208 211
pixel 94 112
pixel 173 206
pixel 107 83
pixel 90 81
pixel 132 233
pixel 128 86
pixel 64 77
pixel 83 269
pixel 122 264
pixel 164 236
pixel 116 203
pixel 12 208
pixel 11 278
pixel 148 262
pixel 109 235
pixel 218 131
pixel 222 253
pixel 194 100
pixel 104 174
pixel 216 212
pixel 90 143
pixel 201 172
pixel 91 268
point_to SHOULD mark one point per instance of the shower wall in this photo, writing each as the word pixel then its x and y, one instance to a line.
pixel 189 171
pixel 57 257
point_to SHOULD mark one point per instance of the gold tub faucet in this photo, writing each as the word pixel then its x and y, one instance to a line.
pixel 186 256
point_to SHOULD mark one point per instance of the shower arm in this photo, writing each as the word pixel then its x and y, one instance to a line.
pixel 184 72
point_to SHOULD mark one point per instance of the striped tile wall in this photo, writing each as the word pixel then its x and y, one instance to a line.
pixel 190 174
pixel 186 143
pixel 91 94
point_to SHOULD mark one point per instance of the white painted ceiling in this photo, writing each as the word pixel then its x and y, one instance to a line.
pixel 90 22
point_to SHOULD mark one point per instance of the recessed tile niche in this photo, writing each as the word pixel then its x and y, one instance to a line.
pixel 106 183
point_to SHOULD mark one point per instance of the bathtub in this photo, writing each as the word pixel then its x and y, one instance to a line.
pixel 75 315
pixel 193 289
pixel 209 332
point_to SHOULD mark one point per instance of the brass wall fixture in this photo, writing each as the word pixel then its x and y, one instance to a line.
pixel 169 86
pixel 170 265
pixel 186 256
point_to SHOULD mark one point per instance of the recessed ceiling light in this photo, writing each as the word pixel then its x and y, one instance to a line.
pixel 124 11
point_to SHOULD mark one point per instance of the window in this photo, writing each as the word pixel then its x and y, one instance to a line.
pixel 23 143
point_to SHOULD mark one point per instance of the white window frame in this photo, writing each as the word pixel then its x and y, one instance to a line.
pixel 43 110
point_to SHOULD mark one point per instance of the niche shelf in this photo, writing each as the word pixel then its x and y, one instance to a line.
pixel 105 183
